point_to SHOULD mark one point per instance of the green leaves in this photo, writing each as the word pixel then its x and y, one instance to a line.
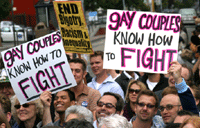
pixel 5 9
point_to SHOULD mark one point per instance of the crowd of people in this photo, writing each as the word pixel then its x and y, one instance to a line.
pixel 111 99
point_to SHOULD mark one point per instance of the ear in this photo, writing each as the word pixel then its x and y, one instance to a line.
pixel 8 116
pixel 84 74
pixel 197 101
pixel 180 108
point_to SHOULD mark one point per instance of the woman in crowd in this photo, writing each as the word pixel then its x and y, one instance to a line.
pixel 29 114
pixel 134 87
pixel 192 122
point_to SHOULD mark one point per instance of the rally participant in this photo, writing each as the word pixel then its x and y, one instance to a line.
pixel 109 103
pixel 85 96
pixel 145 109
pixel 134 87
pixel 103 81
pixel 62 101
pixel 28 115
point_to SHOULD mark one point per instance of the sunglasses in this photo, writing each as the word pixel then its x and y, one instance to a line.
pixel 168 107
pixel 148 105
pixel 24 105
pixel 134 90
pixel 108 105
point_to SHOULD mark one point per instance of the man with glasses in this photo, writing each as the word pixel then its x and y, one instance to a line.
pixel 170 104
pixel 109 103
pixel 145 109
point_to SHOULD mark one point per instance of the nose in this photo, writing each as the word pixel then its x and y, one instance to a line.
pixel 145 107
pixel 21 107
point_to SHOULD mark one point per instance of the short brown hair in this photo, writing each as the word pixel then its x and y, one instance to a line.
pixel 169 90
pixel 97 53
pixel 148 93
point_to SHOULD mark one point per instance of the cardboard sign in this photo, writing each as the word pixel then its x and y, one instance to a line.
pixel 141 41
pixel 37 66
pixel 73 27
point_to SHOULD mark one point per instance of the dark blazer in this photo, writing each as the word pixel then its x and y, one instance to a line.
pixel 123 81
pixel 163 83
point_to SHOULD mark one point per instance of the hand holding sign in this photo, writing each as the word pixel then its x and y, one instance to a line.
pixel 38 66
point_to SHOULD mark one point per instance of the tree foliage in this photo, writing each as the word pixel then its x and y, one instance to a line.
pixel 92 5
pixel 5 8
pixel 178 4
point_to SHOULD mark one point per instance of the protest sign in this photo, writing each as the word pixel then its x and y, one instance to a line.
pixel 141 41
pixel 37 66
pixel 73 27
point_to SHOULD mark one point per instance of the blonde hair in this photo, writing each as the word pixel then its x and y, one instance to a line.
pixel 39 109
pixel 139 83
pixel 194 120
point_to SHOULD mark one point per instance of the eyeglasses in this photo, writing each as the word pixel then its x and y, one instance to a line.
pixel 168 107
pixel 108 105
pixel 148 105
pixel 134 90
pixel 24 105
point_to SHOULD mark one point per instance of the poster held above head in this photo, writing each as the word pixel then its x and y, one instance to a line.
pixel 141 41
pixel 73 27
pixel 37 66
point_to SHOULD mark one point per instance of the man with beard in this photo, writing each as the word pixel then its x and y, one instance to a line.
pixel 109 103
pixel 145 109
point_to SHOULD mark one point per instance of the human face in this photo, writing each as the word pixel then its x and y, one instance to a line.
pixel 133 95
pixel 144 113
pixel 96 63
pixel 184 74
pixel 104 111
pixel 78 72
pixel 62 101
pixel 7 90
pixel 189 125
pixel 181 119
pixel 26 113
pixel 169 115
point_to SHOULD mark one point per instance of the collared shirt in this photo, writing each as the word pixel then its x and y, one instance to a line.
pixel 88 98
pixel 157 122
pixel 130 77
pixel 108 85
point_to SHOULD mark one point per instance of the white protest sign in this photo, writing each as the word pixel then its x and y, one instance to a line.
pixel 37 66
pixel 141 41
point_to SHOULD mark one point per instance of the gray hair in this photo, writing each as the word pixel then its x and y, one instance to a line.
pixel 80 111
pixel 114 121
